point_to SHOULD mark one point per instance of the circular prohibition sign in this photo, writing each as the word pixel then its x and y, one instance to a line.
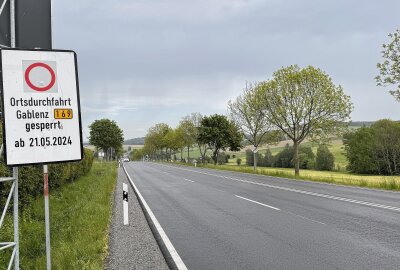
pixel 37 88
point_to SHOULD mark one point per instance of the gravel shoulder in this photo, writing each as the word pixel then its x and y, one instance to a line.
pixel 131 246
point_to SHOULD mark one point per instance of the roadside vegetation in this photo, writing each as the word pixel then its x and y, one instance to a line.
pixel 80 213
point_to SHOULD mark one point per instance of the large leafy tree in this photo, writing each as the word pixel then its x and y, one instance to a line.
pixel 247 112
pixel 219 133
pixel 305 103
pixel 196 118
pixel 389 69
pixel 105 134
pixel 189 132
pixel 156 139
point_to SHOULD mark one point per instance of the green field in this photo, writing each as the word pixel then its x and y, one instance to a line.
pixel 341 178
pixel 335 146
pixel 80 215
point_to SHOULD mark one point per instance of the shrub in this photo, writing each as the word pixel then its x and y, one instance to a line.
pixel 238 161
pixel 31 177
pixel 266 160
pixel 222 158
pixel 324 160
pixel 284 159
pixel 250 158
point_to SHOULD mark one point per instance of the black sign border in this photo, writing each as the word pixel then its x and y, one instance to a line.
pixel 3 114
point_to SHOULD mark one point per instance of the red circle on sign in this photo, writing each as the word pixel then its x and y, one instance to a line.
pixel 37 88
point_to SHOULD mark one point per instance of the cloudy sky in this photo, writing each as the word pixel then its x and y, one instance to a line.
pixel 142 62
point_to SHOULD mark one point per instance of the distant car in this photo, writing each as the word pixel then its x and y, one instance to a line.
pixel 125 159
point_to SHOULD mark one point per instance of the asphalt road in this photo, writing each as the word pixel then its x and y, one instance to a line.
pixel 226 220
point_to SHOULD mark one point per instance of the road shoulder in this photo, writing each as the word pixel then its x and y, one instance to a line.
pixel 131 246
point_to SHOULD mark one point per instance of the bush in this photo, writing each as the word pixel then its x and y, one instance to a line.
pixel 31 177
pixel 250 158
pixel 222 158
pixel 266 160
pixel 325 159
pixel 284 159
pixel 238 161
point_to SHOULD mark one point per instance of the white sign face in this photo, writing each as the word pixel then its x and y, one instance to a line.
pixel 41 111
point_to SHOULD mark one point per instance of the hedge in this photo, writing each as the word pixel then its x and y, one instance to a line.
pixel 31 178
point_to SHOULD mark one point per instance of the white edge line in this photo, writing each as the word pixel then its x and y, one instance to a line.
pixel 171 249
pixel 263 204
pixel 188 180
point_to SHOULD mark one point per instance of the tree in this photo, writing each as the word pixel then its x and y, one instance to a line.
pixel 248 114
pixel 360 151
pixel 389 69
pixel 219 133
pixel 195 119
pixel 305 103
pixel 137 154
pixel 105 134
pixel 285 158
pixel 179 139
pixel 189 133
pixel 156 139
pixel 375 149
pixel 325 159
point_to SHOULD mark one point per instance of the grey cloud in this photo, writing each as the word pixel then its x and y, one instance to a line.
pixel 146 61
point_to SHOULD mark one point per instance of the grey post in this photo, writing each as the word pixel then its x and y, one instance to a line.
pixel 15 169
pixel 16 225
pixel 47 214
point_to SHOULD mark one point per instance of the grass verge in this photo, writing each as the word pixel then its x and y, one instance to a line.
pixel 341 178
pixel 80 215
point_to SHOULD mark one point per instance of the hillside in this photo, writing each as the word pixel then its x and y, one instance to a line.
pixel 134 141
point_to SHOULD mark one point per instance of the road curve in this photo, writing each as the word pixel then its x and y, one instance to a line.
pixel 227 220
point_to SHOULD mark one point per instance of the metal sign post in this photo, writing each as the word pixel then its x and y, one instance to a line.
pixel 47 214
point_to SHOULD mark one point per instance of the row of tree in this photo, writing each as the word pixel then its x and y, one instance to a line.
pixel 297 103
pixel 215 132
pixel 323 160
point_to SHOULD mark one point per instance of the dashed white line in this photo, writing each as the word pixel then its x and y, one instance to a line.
pixel 263 204
pixel 376 205
pixel 188 180
pixel 303 217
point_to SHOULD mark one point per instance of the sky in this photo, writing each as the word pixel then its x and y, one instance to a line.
pixel 149 61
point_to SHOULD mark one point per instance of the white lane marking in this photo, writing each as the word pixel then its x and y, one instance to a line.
pixel 174 254
pixel 188 180
pixel 263 204
pixel 303 217
pixel 382 206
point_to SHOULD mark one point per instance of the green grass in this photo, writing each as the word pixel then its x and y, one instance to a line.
pixel 80 215
pixel 336 147
pixel 342 178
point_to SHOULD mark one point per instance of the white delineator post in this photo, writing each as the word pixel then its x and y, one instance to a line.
pixel 47 214
pixel 125 203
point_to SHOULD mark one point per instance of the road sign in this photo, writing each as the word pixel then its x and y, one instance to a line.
pixel 41 107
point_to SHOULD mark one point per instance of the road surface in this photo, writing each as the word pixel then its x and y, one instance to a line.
pixel 227 220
